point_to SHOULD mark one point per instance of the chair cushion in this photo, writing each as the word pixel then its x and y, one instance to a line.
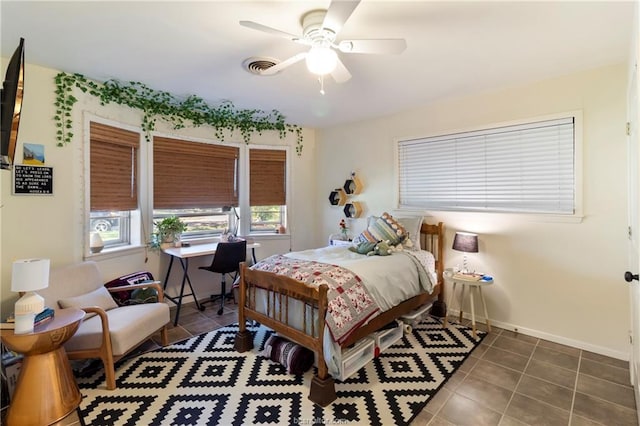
pixel 128 325
pixel 99 297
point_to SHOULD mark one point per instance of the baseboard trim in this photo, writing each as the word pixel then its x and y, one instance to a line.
pixel 601 350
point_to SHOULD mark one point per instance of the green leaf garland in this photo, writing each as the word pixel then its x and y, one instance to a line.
pixel 153 104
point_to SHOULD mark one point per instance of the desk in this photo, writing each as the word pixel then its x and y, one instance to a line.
pixel 46 391
pixel 184 254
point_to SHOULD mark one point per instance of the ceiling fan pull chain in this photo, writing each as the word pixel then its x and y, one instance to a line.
pixel 321 80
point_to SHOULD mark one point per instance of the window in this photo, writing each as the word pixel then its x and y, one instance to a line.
pixel 200 222
pixel 528 168
pixel 197 182
pixel 267 218
pixel 267 189
pixel 113 182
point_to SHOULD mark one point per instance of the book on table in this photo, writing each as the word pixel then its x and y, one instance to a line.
pixel 468 277
pixel 46 315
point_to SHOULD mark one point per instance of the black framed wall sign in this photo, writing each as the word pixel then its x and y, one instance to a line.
pixel 32 180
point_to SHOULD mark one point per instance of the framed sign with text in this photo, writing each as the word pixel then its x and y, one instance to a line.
pixel 32 180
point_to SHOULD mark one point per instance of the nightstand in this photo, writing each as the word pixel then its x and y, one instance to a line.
pixel 475 283
pixel 46 391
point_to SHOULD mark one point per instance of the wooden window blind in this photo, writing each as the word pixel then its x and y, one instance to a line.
pixel 113 162
pixel 193 174
pixel 267 177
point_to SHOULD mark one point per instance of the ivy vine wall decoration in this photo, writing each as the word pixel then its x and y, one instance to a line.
pixel 158 104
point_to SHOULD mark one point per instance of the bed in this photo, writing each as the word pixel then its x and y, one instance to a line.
pixel 297 311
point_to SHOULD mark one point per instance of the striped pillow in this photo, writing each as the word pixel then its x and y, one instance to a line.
pixel 383 228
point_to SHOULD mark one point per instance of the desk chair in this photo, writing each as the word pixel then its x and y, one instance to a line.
pixel 226 260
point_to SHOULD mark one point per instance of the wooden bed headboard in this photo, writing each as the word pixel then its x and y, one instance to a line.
pixel 432 240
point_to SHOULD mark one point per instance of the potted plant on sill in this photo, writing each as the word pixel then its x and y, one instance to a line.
pixel 167 232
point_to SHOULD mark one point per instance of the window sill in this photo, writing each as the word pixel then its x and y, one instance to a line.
pixel 115 252
pixel 528 217
pixel 269 236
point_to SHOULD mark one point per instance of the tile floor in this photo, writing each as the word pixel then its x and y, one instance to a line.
pixel 510 379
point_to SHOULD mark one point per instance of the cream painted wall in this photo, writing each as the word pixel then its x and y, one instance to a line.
pixel 53 226
pixel 557 280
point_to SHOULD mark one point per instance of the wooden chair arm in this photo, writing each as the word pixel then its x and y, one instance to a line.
pixel 153 284
pixel 104 320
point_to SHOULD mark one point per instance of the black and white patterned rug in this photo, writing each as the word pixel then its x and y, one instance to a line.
pixel 204 381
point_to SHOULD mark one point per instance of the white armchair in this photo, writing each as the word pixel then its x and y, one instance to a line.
pixel 108 331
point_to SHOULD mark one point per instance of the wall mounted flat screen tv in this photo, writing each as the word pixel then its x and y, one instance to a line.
pixel 11 106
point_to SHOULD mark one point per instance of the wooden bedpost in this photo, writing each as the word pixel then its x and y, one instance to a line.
pixel 244 338
pixel 439 308
pixel 323 387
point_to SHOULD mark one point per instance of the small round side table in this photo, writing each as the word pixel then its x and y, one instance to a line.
pixel 46 391
pixel 474 283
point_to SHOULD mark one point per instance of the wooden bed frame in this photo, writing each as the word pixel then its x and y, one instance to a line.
pixel 280 289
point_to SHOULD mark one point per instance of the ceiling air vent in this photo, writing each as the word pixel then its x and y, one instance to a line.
pixel 255 65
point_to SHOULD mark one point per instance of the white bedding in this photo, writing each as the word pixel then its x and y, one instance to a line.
pixel 389 279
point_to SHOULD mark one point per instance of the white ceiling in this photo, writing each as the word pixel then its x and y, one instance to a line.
pixel 454 48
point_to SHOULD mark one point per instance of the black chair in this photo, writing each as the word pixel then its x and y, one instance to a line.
pixel 226 260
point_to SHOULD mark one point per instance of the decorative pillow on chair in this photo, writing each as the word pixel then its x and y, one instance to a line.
pixel 123 298
pixel 295 358
pixel 99 297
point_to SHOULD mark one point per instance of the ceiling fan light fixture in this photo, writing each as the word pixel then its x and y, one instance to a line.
pixel 321 60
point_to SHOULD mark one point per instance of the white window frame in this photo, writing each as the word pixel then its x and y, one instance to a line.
pixel 245 208
pixel 578 180
pixel 135 220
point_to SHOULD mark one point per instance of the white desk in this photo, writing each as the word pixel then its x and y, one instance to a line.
pixel 184 254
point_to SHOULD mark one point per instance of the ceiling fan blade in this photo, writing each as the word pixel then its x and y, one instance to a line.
pixel 284 64
pixel 269 30
pixel 341 73
pixel 380 46
pixel 338 13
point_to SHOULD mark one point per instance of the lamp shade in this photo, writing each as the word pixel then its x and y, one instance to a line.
pixel 321 60
pixel 466 241
pixel 30 275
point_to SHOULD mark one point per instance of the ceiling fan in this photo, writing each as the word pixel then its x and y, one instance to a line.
pixel 320 29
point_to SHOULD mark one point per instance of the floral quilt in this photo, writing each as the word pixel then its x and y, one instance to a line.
pixel 349 302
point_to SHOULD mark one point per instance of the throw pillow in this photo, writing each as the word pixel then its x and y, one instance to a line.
pixel 99 297
pixel 295 358
pixel 383 228
pixel 412 226
pixel 386 228
pixel 123 298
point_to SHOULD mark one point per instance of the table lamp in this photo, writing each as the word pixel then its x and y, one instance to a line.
pixel 28 275
pixel 465 242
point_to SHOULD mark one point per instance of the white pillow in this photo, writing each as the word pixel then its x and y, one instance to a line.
pixel 99 297
pixel 412 225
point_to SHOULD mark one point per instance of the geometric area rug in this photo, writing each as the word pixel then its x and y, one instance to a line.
pixel 204 381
